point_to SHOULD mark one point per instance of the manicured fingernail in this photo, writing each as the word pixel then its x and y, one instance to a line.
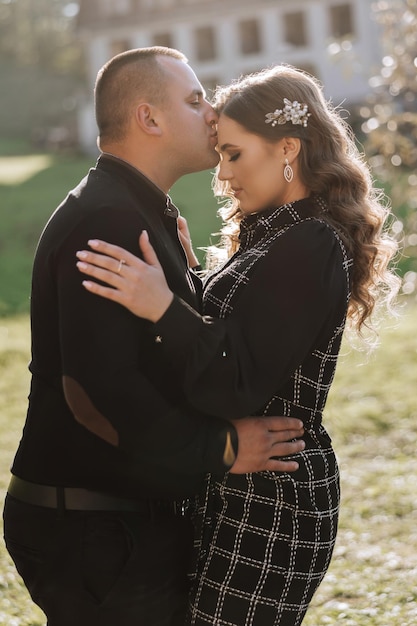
pixel 87 284
pixel 81 254
pixel 81 265
pixel 93 243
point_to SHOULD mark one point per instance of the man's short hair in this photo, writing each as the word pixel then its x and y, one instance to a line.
pixel 128 77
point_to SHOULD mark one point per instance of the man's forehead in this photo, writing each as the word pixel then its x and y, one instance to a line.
pixel 182 72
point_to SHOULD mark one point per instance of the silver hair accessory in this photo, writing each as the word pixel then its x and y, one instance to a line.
pixel 293 112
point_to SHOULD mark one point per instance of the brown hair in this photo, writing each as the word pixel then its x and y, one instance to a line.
pixel 330 165
pixel 122 80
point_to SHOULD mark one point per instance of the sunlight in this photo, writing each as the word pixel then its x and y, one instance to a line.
pixel 18 169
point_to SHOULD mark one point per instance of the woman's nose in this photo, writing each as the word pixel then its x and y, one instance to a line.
pixel 223 172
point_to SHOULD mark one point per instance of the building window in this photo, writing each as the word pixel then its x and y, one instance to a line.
pixel 250 37
pixel 295 32
pixel 119 45
pixel 154 5
pixel 205 43
pixel 121 7
pixel 163 4
pixel 163 39
pixel 341 21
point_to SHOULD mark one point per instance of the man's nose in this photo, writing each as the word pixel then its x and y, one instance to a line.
pixel 212 117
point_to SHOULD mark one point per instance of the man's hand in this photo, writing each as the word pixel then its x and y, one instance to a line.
pixel 261 438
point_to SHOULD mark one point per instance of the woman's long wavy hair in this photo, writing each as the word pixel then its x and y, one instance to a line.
pixel 331 166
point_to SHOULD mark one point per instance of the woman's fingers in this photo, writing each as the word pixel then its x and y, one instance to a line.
pixel 138 285
pixel 119 290
pixel 104 292
pixel 110 250
pixel 113 258
pixel 183 227
pixel 93 260
pixel 98 271
pixel 149 254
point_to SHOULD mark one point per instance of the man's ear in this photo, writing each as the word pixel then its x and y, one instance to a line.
pixel 146 119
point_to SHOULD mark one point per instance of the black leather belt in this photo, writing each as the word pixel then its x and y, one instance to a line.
pixel 76 499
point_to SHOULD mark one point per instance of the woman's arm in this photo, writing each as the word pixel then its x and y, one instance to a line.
pixel 233 366
pixel 134 275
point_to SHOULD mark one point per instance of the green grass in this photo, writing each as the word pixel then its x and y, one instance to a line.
pixel 31 187
pixel 371 414
pixel 372 417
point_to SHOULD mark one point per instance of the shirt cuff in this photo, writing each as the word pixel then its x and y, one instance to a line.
pixel 178 315
pixel 222 453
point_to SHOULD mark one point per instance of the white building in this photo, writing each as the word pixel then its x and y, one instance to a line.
pixel 336 40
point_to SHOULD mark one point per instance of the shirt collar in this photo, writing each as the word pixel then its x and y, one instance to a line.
pixel 170 208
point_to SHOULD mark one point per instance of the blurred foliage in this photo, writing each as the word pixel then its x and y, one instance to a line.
pixel 41 71
pixel 390 125
pixel 372 417
pixel 40 33
pixel 31 187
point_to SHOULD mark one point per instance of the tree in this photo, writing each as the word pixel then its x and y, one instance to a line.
pixel 391 124
pixel 40 33
pixel 41 70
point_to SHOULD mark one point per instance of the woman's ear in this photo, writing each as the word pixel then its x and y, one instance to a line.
pixel 291 147
pixel 146 118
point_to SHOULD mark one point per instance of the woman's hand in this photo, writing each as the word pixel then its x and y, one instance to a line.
pixel 138 285
pixel 185 238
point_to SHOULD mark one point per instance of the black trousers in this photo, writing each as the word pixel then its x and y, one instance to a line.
pixel 88 568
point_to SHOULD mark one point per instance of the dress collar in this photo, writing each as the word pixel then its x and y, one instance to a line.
pixel 254 227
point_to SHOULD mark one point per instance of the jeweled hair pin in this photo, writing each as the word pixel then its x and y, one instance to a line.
pixel 293 112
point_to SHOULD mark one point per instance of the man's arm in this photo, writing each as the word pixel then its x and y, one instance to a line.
pixel 111 395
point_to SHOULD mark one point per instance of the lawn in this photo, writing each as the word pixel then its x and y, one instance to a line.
pixel 32 186
pixel 371 413
pixel 372 417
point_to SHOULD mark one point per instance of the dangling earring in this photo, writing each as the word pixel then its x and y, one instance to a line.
pixel 288 172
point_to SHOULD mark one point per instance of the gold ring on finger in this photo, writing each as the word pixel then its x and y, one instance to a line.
pixel 121 263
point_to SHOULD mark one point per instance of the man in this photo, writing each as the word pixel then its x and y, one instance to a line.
pixel 95 516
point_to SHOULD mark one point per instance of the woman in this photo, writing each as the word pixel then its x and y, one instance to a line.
pixel 307 252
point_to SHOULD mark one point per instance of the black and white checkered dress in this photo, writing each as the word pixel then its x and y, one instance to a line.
pixel 266 539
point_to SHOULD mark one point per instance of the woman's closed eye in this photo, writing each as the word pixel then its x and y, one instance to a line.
pixel 234 157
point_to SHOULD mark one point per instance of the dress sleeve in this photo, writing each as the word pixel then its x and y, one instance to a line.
pixel 105 353
pixel 233 366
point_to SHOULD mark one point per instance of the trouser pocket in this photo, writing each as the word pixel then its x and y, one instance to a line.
pixel 106 548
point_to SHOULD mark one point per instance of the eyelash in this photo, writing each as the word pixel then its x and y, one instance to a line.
pixel 235 157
